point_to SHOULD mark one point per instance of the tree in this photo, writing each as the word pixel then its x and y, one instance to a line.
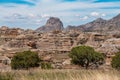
pixel 116 61
pixel 85 56
pixel 25 60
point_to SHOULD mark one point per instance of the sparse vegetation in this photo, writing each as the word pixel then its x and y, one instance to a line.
pixel 46 65
pixel 6 76
pixel 38 74
pixel 25 60
pixel 116 61
pixel 86 56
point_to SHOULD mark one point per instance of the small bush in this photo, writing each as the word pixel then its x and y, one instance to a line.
pixel 25 60
pixel 46 65
pixel 116 61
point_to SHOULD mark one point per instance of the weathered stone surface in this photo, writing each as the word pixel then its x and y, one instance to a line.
pixel 110 46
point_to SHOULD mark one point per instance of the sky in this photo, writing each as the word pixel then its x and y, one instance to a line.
pixel 31 14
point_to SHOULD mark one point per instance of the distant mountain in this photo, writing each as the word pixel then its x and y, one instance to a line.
pixel 114 23
pixel 100 25
pixel 52 24
pixel 95 25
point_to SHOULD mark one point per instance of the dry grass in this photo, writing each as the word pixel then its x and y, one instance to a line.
pixel 66 75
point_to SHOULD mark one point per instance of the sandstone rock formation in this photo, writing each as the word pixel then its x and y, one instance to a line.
pixel 53 43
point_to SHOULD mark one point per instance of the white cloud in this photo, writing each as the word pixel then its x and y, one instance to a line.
pixel 84 18
pixel 67 11
pixel 38 21
pixel 95 14
pixel 45 15
pixel 103 15
pixel 16 16
pixel 31 15
pixel 77 15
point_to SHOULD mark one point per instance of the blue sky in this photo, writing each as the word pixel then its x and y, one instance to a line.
pixel 34 13
pixel 16 2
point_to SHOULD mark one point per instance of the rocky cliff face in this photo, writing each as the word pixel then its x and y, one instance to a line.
pixel 52 24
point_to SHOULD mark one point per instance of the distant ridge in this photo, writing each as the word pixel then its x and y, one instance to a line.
pixel 54 23
pixel 100 25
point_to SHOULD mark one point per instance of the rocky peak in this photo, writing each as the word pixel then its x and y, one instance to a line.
pixel 99 20
pixel 95 25
pixel 117 17
pixel 53 23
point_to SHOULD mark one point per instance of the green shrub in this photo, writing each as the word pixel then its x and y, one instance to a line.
pixel 86 56
pixel 25 60
pixel 116 61
pixel 46 65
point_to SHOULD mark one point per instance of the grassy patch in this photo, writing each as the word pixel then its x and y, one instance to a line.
pixel 6 76
pixel 38 74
